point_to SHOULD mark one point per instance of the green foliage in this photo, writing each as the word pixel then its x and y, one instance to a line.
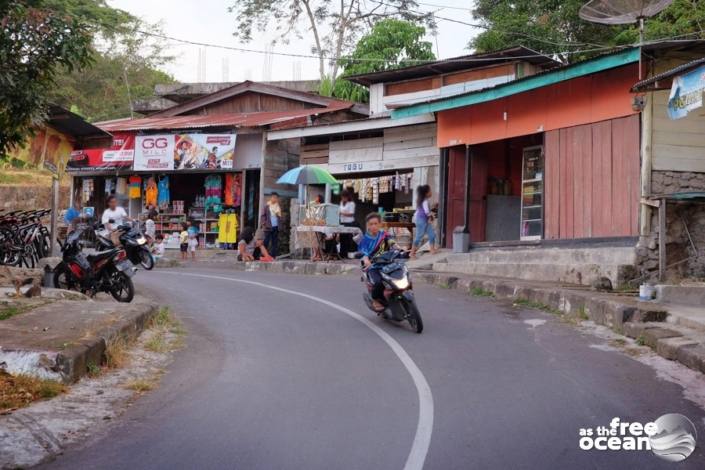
pixel 390 44
pixel 100 92
pixel 554 27
pixel 332 27
pixel 35 42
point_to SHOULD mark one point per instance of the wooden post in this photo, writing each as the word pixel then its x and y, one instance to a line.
pixel 54 210
pixel 662 240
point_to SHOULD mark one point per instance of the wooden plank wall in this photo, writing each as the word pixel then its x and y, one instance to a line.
pixel 592 180
pixel 677 145
pixel 315 154
pixel 410 142
pixel 356 150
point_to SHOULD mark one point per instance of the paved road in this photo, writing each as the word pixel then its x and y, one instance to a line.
pixel 271 380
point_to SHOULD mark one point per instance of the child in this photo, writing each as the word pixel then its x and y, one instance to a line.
pixel 375 242
pixel 158 248
pixel 183 241
pixel 192 239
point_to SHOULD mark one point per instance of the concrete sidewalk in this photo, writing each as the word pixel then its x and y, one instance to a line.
pixel 60 339
pixel 665 330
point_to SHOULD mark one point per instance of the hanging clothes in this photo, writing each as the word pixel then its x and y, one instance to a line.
pixel 121 186
pixel 228 193
pixel 150 192
pixel 163 192
pixel 213 192
pixel 134 191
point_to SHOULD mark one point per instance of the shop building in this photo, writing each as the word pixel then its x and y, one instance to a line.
pixel 384 159
pixel 544 173
pixel 205 158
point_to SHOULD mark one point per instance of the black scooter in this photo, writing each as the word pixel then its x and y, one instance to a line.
pixel 400 305
pixel 132 240
pixel 104 271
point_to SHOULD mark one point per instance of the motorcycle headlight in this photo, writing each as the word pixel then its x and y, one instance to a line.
pixel 401 284
pixel 141 241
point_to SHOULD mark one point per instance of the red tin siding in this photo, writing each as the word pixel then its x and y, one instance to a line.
pixel 592 180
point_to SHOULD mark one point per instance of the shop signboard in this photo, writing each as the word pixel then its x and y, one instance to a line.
pixel 168 152
pixel 48 148
pixel 119 155
pixel 204 151
pixel 686 93
pixel 154 153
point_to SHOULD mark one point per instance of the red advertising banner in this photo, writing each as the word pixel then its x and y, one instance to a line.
pixel 120 154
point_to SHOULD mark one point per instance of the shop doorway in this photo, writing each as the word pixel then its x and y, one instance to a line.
pixel 504 198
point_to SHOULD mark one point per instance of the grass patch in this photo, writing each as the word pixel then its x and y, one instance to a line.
pixel 93 370
pixel 140 385
pixel 21 390
pixel 526 303
pixel 582 314
pixel 444 285
pixel 157 343
pixel 618 342
pixel 641 340
pixel 480 292
pixel 116 353
pixel 165 320
pixel 12 310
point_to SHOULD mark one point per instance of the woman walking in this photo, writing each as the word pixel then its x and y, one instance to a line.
pixel 347 219
pixel 424 220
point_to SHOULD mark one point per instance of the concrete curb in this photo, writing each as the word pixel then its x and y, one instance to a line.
pixel 281 267
pixel 642 321
pixel 73 362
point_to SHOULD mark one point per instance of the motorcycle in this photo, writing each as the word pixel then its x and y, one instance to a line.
pixel 400 304
pixel 134 242
pixel 104 271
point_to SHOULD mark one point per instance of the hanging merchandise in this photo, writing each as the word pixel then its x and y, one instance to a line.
pixel 87 188
pixel 232 193
pixel 375 191
pixel 109 186
pixel 163 193
pixel 227 228
pixel 150 192
pixel 213 193
pixel 121 186
pixel 134 191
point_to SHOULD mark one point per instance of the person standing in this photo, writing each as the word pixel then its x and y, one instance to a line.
pixel 347 219
pixel 271 219
pixel 183 241
pixel 192 239
pixel 423 220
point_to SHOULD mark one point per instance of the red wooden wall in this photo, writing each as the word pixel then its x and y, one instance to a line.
pixel 455 201
pixel 592 180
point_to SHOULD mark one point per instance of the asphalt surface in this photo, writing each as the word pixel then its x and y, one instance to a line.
pixel 271 380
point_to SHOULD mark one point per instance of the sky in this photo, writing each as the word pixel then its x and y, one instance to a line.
pixel 208 21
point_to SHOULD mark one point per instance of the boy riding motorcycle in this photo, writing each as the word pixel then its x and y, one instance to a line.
pixel 375 242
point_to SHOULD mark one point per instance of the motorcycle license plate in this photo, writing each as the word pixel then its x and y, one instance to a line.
pixel 126 267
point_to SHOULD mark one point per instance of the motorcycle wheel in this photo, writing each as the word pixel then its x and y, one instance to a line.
pixel 146 260
pixel 122 289
pixel 414 316
pixel 63 278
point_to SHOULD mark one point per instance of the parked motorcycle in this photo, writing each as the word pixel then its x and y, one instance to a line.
pixel 104 271
pixel 133 241
pixel 400 304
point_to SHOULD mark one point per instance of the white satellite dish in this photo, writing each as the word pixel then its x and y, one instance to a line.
pixel 623 12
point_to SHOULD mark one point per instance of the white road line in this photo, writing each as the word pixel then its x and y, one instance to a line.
pixel 424 427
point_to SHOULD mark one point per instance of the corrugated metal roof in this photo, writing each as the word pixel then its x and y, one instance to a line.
pixel 639 86
pixel 269 118
pixel 614 59
pixel 455 64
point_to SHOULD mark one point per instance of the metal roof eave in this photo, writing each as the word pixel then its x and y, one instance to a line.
pixel 529 83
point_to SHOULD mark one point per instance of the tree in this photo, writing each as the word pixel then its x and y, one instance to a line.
pixel 100 92
pixel 40 38
pixel 332 27
pixel 554 27
pixel 391 44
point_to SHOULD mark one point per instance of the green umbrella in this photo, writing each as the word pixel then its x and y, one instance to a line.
pixel 307 174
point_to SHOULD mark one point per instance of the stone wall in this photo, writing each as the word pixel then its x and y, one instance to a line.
pixel 678 216
pixel 30 197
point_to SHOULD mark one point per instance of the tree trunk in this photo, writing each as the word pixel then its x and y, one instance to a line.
pixel 321 60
